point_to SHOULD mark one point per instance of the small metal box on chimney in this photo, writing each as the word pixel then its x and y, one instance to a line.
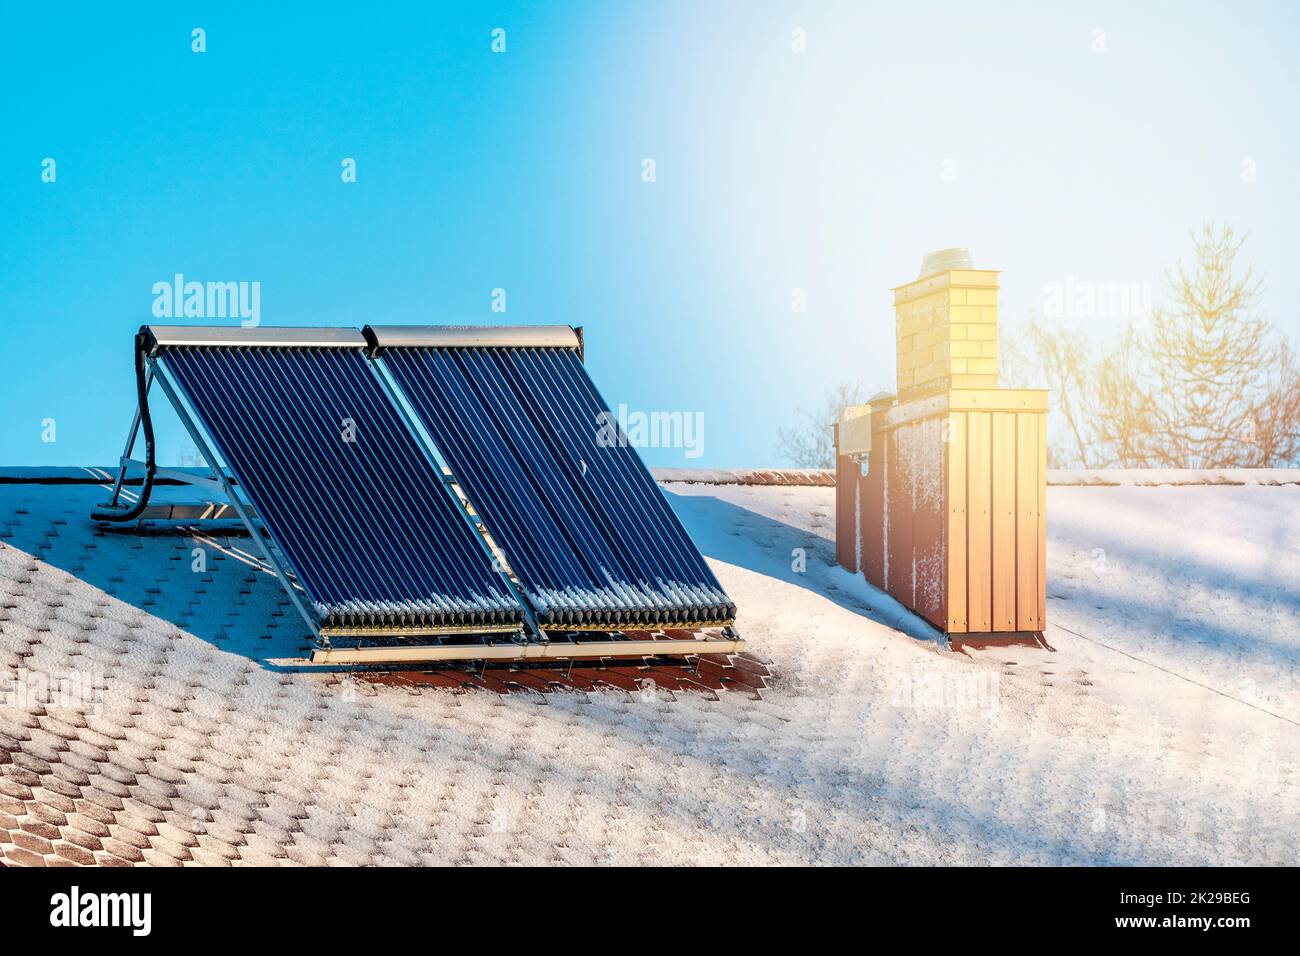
pixel 941 490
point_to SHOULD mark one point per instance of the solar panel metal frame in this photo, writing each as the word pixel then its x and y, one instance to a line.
pixel 472 336
pixel 260 336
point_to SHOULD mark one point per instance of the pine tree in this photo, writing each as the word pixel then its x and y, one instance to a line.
pixel 1209 361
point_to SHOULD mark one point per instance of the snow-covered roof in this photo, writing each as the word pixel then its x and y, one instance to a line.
pixel 149 715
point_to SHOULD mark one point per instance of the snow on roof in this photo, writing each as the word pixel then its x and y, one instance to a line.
pixel 1140 477
pixel 144 718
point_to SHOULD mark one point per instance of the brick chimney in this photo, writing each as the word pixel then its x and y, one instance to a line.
pixel 947 326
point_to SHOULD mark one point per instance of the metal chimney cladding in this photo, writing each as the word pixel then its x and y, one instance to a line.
pixel 587 532
pixel 367 525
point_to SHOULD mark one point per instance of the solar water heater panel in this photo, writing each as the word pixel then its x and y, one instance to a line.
pixel 585 528
pixel 344 489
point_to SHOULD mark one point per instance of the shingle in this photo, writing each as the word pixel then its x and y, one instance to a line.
pixel 10 787
pixel 128 836
pixel 81 838
pixel 41 828
pixel 75 853
pixel 32 842
pixel 122 850
pixel 23 857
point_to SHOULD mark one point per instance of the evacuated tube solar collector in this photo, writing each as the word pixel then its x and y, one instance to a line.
pixel 588 532
pixel 431 480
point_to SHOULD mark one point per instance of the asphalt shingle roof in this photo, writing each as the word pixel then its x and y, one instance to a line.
pixel 191 742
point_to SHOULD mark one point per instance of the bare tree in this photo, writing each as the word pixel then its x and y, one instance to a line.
pixel 1121 406
pixel 1274 425
pixel 811 443
pixel 1041 354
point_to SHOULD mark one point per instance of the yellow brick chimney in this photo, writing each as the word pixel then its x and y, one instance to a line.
pixel 947 326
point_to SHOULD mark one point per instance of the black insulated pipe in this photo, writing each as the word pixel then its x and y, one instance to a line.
pixel 372 341
pixel 111 511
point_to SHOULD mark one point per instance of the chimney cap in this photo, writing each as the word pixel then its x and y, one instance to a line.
pixel 946 259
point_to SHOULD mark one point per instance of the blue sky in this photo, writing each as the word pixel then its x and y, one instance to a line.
pixel 902 129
